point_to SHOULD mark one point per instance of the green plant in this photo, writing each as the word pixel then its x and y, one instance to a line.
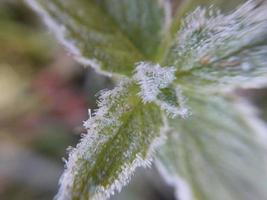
pixel 174 101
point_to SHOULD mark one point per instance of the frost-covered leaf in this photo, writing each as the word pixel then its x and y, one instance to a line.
pixel 220 50
pixel 121 136
pixel 110 35
pixel 156 85
pixel 181 8
pixel 218 153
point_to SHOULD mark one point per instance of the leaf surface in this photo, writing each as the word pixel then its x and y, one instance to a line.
pixel 110 35
pixel 121 136
pixel 216 51
pixel 156 86
pixel 219 152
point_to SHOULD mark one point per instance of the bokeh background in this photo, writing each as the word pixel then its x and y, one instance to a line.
pixel 44 98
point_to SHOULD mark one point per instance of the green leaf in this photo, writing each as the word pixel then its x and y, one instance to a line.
pixel 110 35
pixel 142 20
pixel 121 136
pixel 219 152
pixel 180 9
pixel 215 51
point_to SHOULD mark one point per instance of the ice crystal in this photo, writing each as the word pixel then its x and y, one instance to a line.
pixel 154 81
pixel 152 78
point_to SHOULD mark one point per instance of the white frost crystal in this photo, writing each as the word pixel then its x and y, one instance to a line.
pixel 152 79
pixel 224 51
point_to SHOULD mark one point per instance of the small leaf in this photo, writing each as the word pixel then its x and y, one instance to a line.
pixel 219 152
pixel 156 86
pixel 223 51
pixel 109 35
pixel 180 8
pixel 121 136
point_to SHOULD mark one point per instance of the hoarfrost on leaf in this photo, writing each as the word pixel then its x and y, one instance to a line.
pixel 217 50
pixel 122 135
pixel 156 86
pixel 152 78
pixel 109 35
pixel 219 152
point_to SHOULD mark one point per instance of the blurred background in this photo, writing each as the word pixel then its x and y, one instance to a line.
pixel 44 98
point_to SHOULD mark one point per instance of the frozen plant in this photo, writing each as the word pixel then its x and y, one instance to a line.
pixel 175 104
